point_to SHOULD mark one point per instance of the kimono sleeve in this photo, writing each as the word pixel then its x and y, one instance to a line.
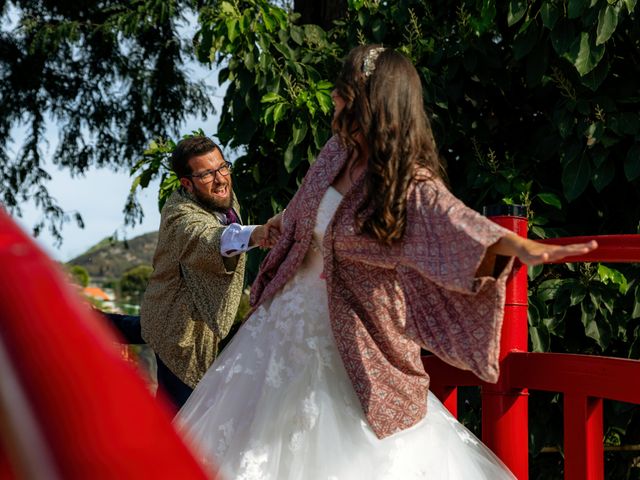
pixel 450 311
pixel 446 241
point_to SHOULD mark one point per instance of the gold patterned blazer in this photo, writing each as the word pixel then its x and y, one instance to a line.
pixel 194 292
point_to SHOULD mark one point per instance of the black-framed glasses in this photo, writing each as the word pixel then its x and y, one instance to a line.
pixel 208 175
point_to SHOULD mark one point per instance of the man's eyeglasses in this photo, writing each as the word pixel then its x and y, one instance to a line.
pixel 208 175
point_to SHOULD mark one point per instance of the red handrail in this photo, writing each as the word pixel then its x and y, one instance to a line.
pixel 611 248
pixel 89 411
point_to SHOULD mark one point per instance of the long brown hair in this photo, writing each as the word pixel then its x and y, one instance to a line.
pixel 383 102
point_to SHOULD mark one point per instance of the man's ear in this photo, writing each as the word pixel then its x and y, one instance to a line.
pixel 187 184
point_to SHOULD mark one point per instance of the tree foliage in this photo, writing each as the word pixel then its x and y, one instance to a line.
pixel 108 74
pixel 79 275
pixel 134 282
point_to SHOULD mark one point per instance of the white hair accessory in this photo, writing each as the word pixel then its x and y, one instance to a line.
pixel 369 64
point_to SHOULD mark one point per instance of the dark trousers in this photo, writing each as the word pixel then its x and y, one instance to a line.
pixel 175 389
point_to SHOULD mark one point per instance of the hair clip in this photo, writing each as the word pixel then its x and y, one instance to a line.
pixel 369 64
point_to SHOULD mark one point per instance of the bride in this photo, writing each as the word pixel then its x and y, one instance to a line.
pixel 375 260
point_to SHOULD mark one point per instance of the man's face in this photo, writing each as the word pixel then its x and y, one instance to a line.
pixel 214 192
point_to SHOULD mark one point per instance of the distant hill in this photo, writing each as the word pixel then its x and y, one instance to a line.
pixel 110 259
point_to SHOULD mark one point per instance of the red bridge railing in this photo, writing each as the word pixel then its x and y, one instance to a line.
pixel 70 407
pixel 584 380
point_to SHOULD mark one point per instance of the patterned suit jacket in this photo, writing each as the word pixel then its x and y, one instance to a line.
pixel 385 303
pixel 194 292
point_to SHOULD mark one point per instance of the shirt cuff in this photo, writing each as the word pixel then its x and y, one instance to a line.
pixel 235 239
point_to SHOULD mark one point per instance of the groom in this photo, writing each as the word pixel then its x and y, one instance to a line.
pixel 195 288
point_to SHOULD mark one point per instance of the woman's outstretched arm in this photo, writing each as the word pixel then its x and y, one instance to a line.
pixel 531 252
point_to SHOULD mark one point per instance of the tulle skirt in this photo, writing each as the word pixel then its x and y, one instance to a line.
pixel 277 404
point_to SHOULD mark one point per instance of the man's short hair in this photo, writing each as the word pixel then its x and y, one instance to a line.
pixel 188 148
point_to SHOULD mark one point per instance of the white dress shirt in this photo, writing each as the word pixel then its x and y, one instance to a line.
pixel 235 239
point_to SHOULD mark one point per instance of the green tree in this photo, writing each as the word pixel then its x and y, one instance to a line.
pixel 79 275
pixel 134 282
pixel 109 74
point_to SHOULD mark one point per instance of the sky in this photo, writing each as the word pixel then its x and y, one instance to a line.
pixel 100 195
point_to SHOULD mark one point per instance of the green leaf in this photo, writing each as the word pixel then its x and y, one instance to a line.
pixel 324 85
pixel 290 162
pixel 600 331
pixel 575 177
pixel 271 97
pixel 227 8
pixel 588 313
pixel 525 41
pixel 576 7
pixel 378 29
pixel 324 99
pixel 550 199
pixel 314 34
pixel 279 112
pixel 564 120
pixel 534 270
pixel 563 36
pixel 607 23
pixel 269 21
pixel 297 34
pixel 577 294
pixel 549 289
pixel 611 275
pixel 632 163
pixel 232 31
pixel 540 338
pixel 299 131
pixel 517 10
pixel 588 56
pixel 146 177
pixel 630 4
pixel 550 14
pixel 595 77
pixel 135 184
pixel 603 175
pixel 636 307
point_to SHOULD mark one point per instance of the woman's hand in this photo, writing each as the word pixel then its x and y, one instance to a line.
pixel 273 229
pixel 531 252
pixel 535 253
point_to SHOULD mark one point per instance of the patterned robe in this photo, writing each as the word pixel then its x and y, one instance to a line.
pixel 385 303
pixel 194 292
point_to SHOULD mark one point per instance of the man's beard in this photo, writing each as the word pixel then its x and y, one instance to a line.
pixel 212 203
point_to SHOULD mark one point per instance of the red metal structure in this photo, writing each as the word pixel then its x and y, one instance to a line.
pixel 584 380
pixel 70 407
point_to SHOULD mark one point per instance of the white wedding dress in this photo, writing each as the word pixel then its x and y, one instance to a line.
pixel 277 404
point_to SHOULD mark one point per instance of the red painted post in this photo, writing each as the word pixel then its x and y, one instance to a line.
pixel 505 426
pixel 583 438
pixel 448 395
